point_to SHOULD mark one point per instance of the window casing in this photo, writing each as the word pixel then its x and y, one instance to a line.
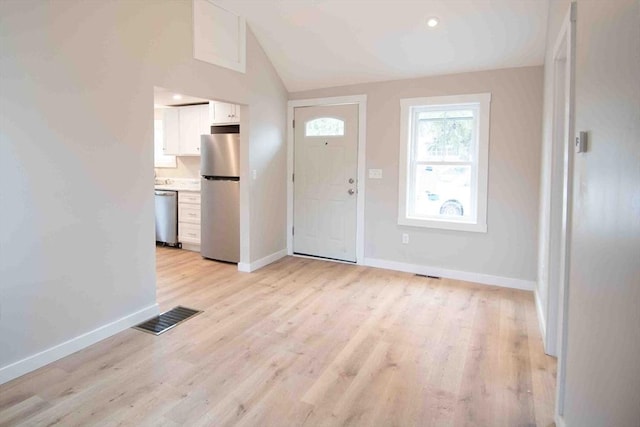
pixel 443 162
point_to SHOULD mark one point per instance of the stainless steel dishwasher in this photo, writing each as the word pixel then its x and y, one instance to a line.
pixel 167 217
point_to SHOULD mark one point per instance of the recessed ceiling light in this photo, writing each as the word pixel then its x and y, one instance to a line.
pixel 433 21
pixel 177 97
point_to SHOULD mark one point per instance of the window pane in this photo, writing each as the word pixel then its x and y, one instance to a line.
pixel 445 135
pixel 442 192
pixel 325 126
pixel 444 113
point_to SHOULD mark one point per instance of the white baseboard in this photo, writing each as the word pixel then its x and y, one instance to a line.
pixel 542 321
pixel 560 421
pixel 246 267
pixel 31 363
pixel 485 279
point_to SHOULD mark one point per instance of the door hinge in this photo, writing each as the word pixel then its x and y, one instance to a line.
pixel 293 231
pixel 293 177
pixel 293 124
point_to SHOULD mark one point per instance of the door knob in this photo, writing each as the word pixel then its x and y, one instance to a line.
pixel 351 181
pixel 351 191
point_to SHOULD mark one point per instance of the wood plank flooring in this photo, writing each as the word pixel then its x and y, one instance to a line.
pixel 305 343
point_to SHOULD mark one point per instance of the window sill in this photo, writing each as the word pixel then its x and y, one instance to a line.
pixel 443 225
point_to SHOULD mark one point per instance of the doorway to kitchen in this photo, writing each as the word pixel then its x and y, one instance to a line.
pixel 326 170
pixel 559 193
pixel 179 120
pixel 183 124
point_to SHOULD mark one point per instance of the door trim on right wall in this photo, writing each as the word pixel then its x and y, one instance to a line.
pixel 361 101
pixel 559 191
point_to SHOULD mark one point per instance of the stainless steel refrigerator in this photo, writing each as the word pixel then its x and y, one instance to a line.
pixel 220 193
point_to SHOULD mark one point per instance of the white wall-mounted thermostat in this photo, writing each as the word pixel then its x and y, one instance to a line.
pixel 581 142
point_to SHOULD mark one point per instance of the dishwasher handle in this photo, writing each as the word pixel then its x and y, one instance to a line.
pixel 165 194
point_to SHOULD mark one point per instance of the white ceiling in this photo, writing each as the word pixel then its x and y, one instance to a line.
pixel 324 43
pixel 164 97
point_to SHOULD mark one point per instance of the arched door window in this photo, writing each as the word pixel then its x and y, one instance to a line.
pixel 324 126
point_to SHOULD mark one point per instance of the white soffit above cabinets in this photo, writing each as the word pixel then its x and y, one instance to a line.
pixel 324 43
pixel 164 97
pixel 219 35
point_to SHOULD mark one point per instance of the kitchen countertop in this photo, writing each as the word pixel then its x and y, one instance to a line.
pixel 177 184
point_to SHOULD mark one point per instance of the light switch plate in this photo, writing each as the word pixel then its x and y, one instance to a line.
pixel 581 142
pixel 375 173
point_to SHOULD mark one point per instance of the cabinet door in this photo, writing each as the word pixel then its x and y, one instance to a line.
pixel 190 130
pixel 189 213
pixel 189 197
pixel 236 114
pixel 220 113
pixel 171 123
pixel 205 125
pixel 224 113
pixel 212 113
pixel 189 233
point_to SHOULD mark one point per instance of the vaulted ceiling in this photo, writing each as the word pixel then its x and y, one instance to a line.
pixel 323 43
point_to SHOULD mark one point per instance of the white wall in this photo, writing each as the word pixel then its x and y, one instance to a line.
pixel 186 167
pixel 603 349
pixel 76 173
pixel 509 248
pixel 602 375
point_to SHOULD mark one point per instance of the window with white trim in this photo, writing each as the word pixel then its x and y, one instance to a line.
pixel 444 147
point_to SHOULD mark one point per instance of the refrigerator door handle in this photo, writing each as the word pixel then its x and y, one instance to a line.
pixel 221 178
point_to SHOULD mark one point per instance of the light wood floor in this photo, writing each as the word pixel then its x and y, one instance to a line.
pixel 305 342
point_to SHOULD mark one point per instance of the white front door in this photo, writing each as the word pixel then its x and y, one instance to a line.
pixel 325 181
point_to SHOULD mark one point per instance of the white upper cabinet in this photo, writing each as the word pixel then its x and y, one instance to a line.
pixel 191 128
pixel 171 123
pixel 205 121
pixel 183 128
pixel 223 113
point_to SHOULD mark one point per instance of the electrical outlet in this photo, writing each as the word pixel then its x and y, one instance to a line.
pixel 405 238
pixel 254 174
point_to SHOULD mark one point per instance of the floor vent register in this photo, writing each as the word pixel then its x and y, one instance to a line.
pixel 167 320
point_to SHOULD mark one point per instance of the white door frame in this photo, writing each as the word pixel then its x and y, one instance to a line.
pixel 361 101
pixel 558 188
pixel 563 112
